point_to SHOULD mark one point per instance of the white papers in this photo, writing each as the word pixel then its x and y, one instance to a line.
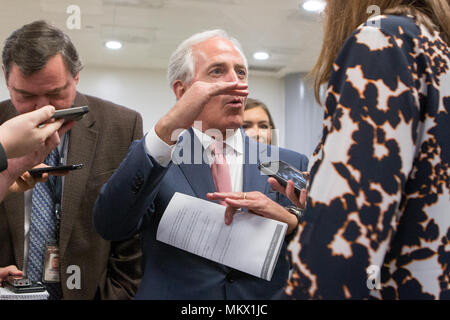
pixel 250 244
pixel 6 294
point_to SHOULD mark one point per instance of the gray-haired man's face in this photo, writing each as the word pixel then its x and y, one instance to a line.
pixel 52 85
pixel 218 60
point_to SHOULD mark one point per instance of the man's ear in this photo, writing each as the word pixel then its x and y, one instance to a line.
pixel 4 74
pixel 77 78
pixel 178 89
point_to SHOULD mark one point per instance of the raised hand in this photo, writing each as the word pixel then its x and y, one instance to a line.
pixel 191 104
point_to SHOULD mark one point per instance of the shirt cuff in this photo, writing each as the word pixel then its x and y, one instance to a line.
pixel 157 148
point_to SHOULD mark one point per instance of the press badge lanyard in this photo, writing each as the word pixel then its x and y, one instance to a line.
pixel 51 270
pixel 55 184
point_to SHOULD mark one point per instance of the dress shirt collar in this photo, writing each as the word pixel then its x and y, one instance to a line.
pixel 234 141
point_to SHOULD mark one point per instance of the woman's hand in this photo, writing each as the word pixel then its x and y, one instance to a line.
pixel 297 200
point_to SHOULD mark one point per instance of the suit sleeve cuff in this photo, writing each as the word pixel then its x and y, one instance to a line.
pixel 158 149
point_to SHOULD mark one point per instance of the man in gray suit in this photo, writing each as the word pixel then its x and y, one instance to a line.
pixel 42 67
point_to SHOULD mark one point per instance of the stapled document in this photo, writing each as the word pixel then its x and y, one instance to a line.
pixel 251 243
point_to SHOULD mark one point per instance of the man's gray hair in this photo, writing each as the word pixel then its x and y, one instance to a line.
pixel 182 64
pixel 31 46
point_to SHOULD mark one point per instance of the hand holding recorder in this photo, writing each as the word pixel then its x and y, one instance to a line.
pixel 24 133
pixel 287 180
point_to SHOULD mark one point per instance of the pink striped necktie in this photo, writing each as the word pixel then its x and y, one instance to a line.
pixel 220 170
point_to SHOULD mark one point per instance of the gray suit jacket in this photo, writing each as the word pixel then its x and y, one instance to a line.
pixel 109 270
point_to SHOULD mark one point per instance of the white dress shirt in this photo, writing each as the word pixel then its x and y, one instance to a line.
pixel 234 152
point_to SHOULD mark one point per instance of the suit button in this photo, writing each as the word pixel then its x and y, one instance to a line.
pixel 137 184
pixel 135 189
pixel 230 277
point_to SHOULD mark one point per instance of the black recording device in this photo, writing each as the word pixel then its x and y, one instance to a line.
pixel 283 172
pixel 74 113
pixel 22 285
pixel 40 171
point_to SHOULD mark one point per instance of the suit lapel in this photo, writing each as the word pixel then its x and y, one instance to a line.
pixel 82 145
pixel 198 174
pixel 14 207
pixel 253 180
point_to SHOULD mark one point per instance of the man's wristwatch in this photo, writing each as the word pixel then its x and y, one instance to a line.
pixel 296 212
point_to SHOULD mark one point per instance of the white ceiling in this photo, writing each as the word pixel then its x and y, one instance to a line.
pixel 151 29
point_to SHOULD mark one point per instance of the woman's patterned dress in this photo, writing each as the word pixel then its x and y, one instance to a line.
pixel 377 222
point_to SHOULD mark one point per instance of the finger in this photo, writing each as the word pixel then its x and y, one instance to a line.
pixel 33 179
pixel 12 270
pixel 16 273
pixel 50 128
pixel 40 177
pixel 290 189
pixel 223 195
pixel 25 182
pixel 234 93
pixel 241 93
pixel 217 195
pixel 28 179
pixel 241 203
pixel 240 89
pixel 42 114
pixel 290 193
pixel 234 85
pixel 229 214
pixel 302 199
pixel 252 206
pixel 276 185
pixel 65 127
pixel 19 186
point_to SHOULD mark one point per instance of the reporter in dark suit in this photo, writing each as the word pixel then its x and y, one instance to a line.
pixel 208 74
pixel 90 266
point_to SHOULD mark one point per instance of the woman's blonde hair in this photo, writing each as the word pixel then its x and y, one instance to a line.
pixel 342 17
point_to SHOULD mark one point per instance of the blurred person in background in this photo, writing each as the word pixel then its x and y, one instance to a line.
pixel 258 123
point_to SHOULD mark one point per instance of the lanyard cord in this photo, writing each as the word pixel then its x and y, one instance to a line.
pixel 55 184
